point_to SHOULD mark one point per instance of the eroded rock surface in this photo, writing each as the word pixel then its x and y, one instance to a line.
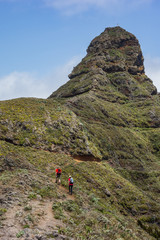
pixel 114 58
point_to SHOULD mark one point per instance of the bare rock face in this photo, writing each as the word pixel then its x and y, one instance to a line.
pixel 114 60
pixel 120 49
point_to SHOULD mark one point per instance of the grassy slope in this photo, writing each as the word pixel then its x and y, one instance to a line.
pixel 92 214
pixel 120 135
pixel 44 124
pixel 127 136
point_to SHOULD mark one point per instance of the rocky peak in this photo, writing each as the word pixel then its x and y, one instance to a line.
pixel 115 37
pixel 120 48
pixel 114 60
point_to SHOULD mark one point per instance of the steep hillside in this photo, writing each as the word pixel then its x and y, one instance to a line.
pixel 43 124
pixel 102 127
pixel 103 204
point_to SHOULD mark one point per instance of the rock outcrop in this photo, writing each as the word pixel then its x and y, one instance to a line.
pixel 114 60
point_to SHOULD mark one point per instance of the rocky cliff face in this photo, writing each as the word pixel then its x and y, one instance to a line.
pixel 114 60
pixel 129 56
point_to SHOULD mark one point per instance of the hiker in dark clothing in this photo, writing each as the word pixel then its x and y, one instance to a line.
pixel 70 181
pixel 58 174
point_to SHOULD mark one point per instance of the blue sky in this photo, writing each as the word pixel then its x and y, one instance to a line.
pixel 42 40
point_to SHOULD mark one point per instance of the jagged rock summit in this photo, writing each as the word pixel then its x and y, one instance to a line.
pixel 113 64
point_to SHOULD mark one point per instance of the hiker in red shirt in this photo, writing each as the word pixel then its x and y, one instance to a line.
pixel 58 174
pixel 70 181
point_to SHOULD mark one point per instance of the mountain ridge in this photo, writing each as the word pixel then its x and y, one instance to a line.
pixel 102 127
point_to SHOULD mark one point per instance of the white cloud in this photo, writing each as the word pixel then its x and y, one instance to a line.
pixel 59 75
pixel 152 69
pixel 11 1
pixel 24 84
pixel 21 84
pixel 70 7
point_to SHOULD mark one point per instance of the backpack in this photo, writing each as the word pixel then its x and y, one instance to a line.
pixel 71 181
pixel 59 171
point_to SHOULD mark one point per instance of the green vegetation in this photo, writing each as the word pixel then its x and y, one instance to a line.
pixel 20 234
pixel 121 135
pixel 92 214
pixel 44 124
pixel 2 211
